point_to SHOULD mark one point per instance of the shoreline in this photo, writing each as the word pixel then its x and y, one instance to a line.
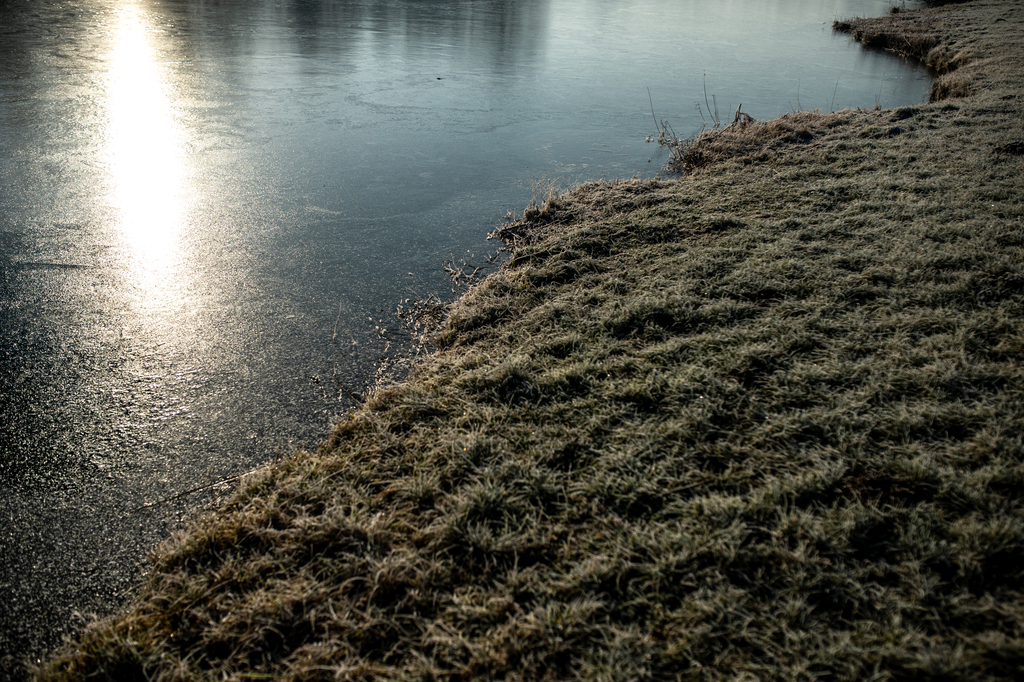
pixel 762 420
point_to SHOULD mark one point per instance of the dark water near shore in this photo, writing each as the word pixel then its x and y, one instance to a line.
pixel 206 208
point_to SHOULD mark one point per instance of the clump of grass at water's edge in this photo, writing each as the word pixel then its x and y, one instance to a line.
pixel 761 422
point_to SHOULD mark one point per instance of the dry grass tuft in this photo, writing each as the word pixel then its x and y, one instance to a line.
pixel 750 139
pixel 905 33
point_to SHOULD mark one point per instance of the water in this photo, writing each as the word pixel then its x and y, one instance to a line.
pixel 206 208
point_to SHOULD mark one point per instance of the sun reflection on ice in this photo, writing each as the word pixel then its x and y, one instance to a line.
pixel 145 153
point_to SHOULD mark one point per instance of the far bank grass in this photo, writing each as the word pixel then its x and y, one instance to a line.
pixel 764 422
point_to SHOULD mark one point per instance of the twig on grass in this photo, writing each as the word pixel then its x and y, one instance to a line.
pixel 190 491
pixel 652 108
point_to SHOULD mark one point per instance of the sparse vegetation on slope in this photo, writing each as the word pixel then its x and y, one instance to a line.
pixel 764 422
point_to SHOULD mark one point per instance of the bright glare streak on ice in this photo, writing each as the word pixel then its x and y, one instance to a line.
pixel 144 149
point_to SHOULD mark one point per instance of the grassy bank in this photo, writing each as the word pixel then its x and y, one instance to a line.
pixel 763 422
